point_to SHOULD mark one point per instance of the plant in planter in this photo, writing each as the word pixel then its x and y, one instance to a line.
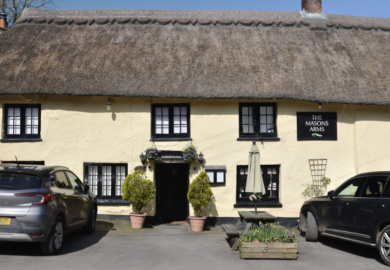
pixel 199 195
pixel 138 190
pixel 189 153
pixel 268 241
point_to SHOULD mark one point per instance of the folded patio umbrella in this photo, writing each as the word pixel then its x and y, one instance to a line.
pixel 254 181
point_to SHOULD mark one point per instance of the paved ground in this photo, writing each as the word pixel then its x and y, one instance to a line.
pixel 115 245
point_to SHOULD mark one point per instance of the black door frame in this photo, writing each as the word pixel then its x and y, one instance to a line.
pixel 158 177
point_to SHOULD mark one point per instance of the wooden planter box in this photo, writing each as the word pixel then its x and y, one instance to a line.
pixel 281 251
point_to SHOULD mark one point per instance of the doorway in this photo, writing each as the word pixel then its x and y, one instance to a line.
pixel 172 186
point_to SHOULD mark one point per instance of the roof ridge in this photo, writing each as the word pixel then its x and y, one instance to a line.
pixel 103 20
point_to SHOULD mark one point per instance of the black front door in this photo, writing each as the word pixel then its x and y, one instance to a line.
pixel 172 186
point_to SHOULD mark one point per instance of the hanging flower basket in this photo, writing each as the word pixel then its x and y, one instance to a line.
pixel 152 154
pixel 189 153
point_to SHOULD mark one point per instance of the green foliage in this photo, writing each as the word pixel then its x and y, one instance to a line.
pixel 138 190
pixel 268 233
pixel 199 193
pixel 315 190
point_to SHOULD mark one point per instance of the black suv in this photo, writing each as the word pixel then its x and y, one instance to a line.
pixel 357 211
pixel 41 203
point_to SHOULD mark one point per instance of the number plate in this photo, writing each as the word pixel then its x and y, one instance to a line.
pixel 5 221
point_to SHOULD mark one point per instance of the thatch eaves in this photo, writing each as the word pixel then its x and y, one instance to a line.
pixel 197 54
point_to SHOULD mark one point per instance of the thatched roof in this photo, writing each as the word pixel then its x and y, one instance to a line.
pixel 198 54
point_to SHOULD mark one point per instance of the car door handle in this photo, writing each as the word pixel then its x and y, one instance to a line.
pixel 65 198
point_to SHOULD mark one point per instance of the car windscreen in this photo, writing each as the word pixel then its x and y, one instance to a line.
pixel 19 181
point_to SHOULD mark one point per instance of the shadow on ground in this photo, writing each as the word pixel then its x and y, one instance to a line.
pixel 352 248
pixel 73 242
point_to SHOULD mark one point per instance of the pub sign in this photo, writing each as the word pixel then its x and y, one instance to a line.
pixel 317 126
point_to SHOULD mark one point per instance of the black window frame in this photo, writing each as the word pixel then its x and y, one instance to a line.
pixel 171 136
pixel 22 136
pixel 266 200
pixel 256 122
pixel 113 198
pixel 215 170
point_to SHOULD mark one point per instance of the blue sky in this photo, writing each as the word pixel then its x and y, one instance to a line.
pixel 367 8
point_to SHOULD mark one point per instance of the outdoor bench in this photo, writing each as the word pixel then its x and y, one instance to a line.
pixel 233 235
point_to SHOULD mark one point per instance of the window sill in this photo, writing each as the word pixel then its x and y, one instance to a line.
pixel 259 204
pixel 18 140
pixel 171 139
pixel 258 139
pixel 112 202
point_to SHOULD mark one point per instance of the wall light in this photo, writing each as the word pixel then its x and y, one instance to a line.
pixel 319 105
pixel 109 105
pixel 201 158
pixel 142 158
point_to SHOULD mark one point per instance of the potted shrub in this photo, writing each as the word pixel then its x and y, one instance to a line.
pixel 199 195
pixel 268 241
pixel 138 190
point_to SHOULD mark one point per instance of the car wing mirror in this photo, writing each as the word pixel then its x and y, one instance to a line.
pixel 86 188
pixel 331 194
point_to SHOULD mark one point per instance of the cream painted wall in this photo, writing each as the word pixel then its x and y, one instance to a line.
pixel 78 130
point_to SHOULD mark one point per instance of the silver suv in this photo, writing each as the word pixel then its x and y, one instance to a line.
pixel 41 203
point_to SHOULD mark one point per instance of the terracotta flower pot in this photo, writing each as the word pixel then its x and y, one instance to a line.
pixel 137 220
pixel 197 223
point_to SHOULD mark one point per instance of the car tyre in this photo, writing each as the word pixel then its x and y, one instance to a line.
pixel 90 227
pixel 53 243
pixel 384 244
pixel 312 228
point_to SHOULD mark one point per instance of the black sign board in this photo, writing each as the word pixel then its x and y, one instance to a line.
pixel 317 126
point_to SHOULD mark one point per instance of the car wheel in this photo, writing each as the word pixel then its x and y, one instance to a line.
pixel 53 244
pixel 312 228
pixel 384 244
pixel 90 227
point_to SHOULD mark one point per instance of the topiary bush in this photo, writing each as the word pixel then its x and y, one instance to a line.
pixel 199 193
pixel 138 190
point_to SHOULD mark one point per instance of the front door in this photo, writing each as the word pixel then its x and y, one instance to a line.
pixel 172 186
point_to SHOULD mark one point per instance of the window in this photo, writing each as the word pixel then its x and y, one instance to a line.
pixel 105 180
pixel 216 174
pixel 352 188
pixel 61 180
pixel 257 120
pixel 22 122
pixel 270 175
pixel 374 186
pixel 74 180
pixel 171 121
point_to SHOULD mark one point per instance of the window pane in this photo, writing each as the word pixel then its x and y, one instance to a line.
pixel 211 176
pixel 244 110
pixel 263 128
pixel 270 110
pixel 165 130
pixel 176 129
pixel 35 112
pixel 350 188
pixel 270 119
pixel 10 130
pixel 158 111
pixel 263 119
pixel 263 110
pixel 165 111
pixel 165 120
pixel 270 128
pixel 220 177
pixel 176 120
pixel 176 110
pixel 184 129
pixel 183 110
pixel 184 120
